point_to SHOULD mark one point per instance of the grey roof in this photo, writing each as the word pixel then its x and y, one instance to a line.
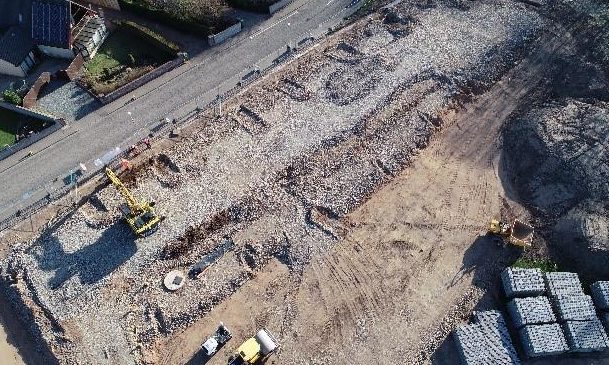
pixel 15 44
pixel 11 9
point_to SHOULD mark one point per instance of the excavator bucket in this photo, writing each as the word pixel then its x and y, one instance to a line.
pixel 522 234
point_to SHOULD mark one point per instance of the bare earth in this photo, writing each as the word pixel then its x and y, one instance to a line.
pixel 409 264
pixel 413 265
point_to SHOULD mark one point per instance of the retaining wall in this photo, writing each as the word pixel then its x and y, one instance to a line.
pixel 29 100
pixel 125 89
pixel 218 38
pixel 273 8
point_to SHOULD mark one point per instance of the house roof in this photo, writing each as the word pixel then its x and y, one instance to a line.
pixel 11 9
pixel 15 45
pixel 51 22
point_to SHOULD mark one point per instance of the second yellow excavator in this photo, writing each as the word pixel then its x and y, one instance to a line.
pixel 140 215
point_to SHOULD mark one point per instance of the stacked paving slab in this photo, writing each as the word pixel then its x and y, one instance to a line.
pixel 583 329
pixel 575 308
pixel 563 283
pixel 600 294
pixel 486 341
pixel 543 340
pixel 519 282
pixel 530 311
pixel 586 336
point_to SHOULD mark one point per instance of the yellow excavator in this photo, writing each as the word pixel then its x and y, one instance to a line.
pixel 518 233
pixel 139 215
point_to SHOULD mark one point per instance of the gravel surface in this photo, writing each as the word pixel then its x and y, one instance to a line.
pixel 67 100
pixel 276 174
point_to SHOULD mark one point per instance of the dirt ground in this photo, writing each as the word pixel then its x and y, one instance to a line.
pixel 413 260
pixel 414 263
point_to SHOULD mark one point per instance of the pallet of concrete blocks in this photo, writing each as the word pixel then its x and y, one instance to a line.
pixel 563 283
pixel 586 336
pixel 529 311
pixel 487 341
pixel 574 308
pixel 543 340
pixel 600 294
pixel 518 282
pixel 481 345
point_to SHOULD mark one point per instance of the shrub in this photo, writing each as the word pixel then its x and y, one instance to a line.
pixel 10 96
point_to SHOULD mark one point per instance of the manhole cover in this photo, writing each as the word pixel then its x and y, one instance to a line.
pixel 174 280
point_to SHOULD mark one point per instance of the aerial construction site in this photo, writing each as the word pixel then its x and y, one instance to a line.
pixel 342 200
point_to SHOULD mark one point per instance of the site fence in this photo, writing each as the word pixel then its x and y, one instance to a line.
pixel 19 208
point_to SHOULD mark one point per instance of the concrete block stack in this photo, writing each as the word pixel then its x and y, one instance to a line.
pixel 519 282
pixel 586 336
pixel 543 340
pixel 575 308
pixel 563 283
pixel 531 311
pixel 600 294
pixel 486 341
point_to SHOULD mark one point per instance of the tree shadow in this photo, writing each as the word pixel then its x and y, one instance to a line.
pixel 92 262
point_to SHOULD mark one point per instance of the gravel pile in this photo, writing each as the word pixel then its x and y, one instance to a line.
pixel 325 141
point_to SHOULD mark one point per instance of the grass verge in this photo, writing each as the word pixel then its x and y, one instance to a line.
pixel 544 265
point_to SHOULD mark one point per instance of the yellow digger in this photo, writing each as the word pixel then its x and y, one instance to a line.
pixel 518 233
pixel 139 215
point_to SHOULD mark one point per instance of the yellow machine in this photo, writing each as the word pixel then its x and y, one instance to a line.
pixel 139 215
pixel 518 234
pixel 255 350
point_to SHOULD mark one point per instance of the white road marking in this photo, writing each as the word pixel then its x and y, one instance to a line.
pixel 274 24
pixel 329 2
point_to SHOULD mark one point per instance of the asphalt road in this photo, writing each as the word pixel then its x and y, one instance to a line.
pixel 174 94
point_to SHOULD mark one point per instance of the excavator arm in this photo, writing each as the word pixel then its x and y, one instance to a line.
pixel 122 189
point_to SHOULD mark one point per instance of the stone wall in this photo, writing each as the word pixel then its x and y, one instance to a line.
pixel 218 38
pixel 273 8
pixel 125 89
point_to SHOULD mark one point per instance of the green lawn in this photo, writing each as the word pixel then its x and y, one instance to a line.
pixel 123 49
pixel 116 50
pixel 9 124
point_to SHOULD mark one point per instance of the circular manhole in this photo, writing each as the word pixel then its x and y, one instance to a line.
pixel 174 280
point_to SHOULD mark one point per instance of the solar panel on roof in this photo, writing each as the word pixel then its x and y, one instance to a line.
pixel 51 23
